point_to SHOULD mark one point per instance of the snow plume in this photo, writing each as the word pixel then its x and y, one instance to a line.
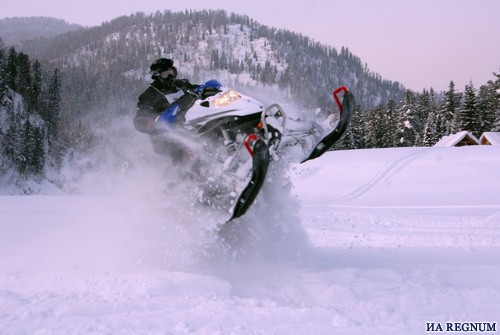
pixel 146 217
pixel 271 229
pixel 142 217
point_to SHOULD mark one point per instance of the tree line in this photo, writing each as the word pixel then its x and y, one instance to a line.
pixel 422 119
pixel 29 117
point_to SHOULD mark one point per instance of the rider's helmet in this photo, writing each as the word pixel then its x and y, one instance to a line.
pixel 161 65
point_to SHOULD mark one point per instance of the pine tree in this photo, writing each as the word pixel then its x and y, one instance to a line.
pixel 13 137
pixel 38 154
pixel 449 108
pixel 24 75
pixel 430 130
pixel 441 122
pixel 34 96
pixel 468 117
pixel 10 141
pixel 380 126
pixel 32 151
pixel 488 104
pixel 354 137
pixel 375 127
pixel 11 72
pixel 390 123
pixel 433 130
pixel 3 61
pixel 496 103
pixel 52 119
pixel 24 163
pixel 406 120
pixel 52 113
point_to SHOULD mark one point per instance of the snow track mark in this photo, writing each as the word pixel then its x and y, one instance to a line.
pixel 392 167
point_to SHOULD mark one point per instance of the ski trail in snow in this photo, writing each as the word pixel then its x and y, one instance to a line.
pixel 392 167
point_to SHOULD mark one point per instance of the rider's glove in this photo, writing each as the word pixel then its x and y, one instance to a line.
pixel 214 84
pixel 211 84
pixel 169 115
pixel 210 88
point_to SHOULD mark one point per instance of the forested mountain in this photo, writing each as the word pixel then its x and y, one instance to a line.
pixel 30 142
pixel 16 30
pixel 108 64
pixel 69 85
pixel 203 41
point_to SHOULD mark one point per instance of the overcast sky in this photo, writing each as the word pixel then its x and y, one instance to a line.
pixel 420 43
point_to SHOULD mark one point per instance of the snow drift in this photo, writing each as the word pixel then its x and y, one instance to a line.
pixel 379 241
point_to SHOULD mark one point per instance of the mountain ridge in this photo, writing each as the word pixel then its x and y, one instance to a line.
pixel 231 43
pixel 17 30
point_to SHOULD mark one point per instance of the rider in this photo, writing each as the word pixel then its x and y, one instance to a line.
pixel 163 105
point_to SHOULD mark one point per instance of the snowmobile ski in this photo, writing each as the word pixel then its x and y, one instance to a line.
pixel 346 107
pixel 260 162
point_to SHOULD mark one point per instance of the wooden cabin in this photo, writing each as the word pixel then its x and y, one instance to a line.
pixel 459 139
pixel 490 138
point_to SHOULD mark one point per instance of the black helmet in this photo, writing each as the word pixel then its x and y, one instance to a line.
pixel 159 65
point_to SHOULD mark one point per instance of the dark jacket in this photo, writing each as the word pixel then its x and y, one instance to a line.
pixel 157 98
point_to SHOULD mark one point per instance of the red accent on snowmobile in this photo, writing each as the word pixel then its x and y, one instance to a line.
pixel 337 100
pixel 345 109
pixel 251 137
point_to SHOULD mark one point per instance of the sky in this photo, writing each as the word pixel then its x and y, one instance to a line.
pixel 420 43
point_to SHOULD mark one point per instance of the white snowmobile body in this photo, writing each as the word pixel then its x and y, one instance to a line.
pixel 244 136
pixel 228 102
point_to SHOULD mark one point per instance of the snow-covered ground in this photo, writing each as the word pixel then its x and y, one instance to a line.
pixel 380 241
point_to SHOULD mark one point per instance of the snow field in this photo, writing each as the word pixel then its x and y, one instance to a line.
pixel 377 241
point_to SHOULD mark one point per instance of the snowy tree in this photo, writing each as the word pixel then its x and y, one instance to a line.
pixel 468 118
pixel 406 119
pixel 24 163
pixel 53 119
pixel 32 151
pixel 420 114
pixel 433 126
pixel 449 107
pixel 24 77
pixel 13 137
pixel 34 96
pixel 375 127
pixel 11 69
pixel 430 131
pixel 37 154
pixel 354 137
pixel 496 103
pixel 53 105
pixel 23 135
pixel 488 104
pixel 380 128
pixel 3 60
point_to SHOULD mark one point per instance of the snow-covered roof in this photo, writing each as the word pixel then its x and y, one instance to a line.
pixel 454 139
pixel 490 137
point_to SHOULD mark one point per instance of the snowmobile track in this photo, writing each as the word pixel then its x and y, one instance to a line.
pixel 392 167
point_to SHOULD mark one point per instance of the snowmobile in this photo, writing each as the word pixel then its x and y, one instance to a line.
pixel 243 137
